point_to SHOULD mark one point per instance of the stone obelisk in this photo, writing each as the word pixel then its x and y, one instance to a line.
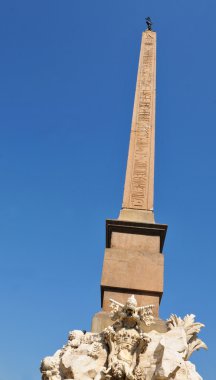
pixel 139 182
pixel 133 260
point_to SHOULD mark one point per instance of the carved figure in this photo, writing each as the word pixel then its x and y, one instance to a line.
pixel 49 368
pixel 125 339
pixel 130 313
pixel 191 328
pixel 75 338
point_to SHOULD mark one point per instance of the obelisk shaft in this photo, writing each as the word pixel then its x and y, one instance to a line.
pixel 139 181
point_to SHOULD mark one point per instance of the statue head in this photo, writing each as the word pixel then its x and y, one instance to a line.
pixel 118 370
pixel 75 338
pixel 130 306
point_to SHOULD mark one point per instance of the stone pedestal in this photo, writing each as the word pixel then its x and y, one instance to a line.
pixel 133 264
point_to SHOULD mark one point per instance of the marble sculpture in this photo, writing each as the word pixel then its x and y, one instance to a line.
pixel 124 351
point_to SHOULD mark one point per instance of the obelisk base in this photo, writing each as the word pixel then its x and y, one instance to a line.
pixel 133 264
pixel 133 215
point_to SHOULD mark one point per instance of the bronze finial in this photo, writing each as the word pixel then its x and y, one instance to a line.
pixel 149 23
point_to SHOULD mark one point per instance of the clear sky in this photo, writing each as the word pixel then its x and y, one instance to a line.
pixel 67 79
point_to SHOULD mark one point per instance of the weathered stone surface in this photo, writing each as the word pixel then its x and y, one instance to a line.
pixel 100 321
pixel 133 270
pixel 139 181
pixel 133 263
pixel 129 214
pixel 142 243
pixel 125 269
pixel 86 361
pixel 144 232
pixel 126 350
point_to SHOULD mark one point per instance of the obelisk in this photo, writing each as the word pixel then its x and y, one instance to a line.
pixel 133 260
pixel 139 182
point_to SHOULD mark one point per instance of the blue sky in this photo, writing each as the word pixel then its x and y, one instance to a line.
pixel 67 73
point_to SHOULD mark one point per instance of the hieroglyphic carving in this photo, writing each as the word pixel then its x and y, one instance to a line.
pixel 140 170
pixel 142 151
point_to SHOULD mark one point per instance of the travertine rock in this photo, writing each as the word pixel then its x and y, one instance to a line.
pixel 124 351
